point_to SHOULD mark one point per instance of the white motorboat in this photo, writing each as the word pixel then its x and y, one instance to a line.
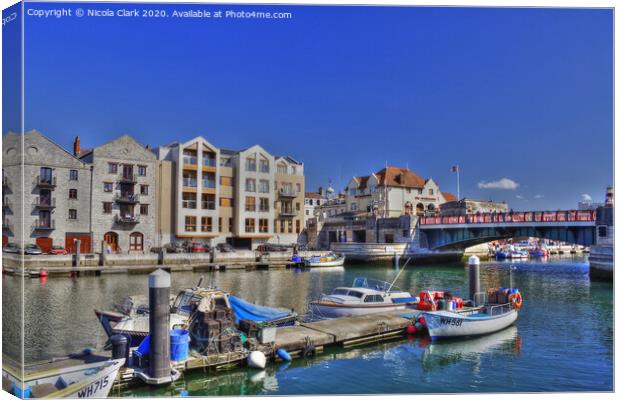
pixel 86 380
pixel 329 260
pixel 470 322
pixel 364 297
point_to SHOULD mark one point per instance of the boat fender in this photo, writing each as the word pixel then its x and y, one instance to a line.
pixel 422 320
pixel 411 329
pixel 283 354
pixel 257 359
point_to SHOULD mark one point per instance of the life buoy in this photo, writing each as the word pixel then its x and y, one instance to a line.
pixel 516 300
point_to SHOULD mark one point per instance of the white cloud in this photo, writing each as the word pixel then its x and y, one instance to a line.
pixel 539 196
pixel 503 183
pixel 586 198
pixel 520 197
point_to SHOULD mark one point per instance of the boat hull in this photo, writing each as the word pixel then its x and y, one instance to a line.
pixel 339 262
pixel 446 324
pixel 333 310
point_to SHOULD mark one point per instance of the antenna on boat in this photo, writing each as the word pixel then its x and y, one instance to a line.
pixel 398 274
pixel 200 281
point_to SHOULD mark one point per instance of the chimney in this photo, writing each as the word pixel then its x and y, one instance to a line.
pixel 321 190
pixel 76 146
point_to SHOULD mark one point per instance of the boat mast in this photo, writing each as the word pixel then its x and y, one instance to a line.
pixel 397 275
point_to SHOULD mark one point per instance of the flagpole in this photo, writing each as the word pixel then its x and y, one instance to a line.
pixel 458 182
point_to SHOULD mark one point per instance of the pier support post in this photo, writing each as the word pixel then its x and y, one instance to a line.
pixel 474 279
pixel 159 324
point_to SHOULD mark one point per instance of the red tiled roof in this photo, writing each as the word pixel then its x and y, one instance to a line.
pixel 399 177
pixel 448 196
pixel 313 195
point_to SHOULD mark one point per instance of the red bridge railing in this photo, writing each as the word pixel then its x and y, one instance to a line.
pixel 513 217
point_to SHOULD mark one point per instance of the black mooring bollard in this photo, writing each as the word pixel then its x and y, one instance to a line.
pixel 159 324
pixel 474 279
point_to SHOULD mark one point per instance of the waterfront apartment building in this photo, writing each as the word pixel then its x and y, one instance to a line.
pixel 54 194
pixel 123 195
pixel 394 191
pixel 289 219
pixel 220 195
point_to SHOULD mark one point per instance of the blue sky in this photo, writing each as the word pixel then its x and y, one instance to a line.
pixel 518 94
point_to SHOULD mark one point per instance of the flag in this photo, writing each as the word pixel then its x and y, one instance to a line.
pixel 454 168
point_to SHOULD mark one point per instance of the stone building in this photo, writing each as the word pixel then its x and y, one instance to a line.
pixel 470 206
pixel 123 195
pixel 55 193
pixel 394 191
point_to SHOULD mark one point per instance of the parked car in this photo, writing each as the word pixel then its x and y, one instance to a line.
pixel 58 250
pixel 196 247
pixel 11 248
pixel 225 248
pixel 33 250
pixel 271 248
pixel 175 247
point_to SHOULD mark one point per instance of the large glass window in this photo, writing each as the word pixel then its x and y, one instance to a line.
pixel 206 224
pixel 190 223
pixel 189 200
pixel 208 201
pixel 263 165
pixel 263 186
pixel 250 203
pixel 263 225
pixel 136 242
pixel 250 225
pixel 263 204
pixel 250 164
pixel 250 185
pixel 73 175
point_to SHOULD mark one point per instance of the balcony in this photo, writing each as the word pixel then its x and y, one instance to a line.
pixel 43 225
pixel 6 202
pixel 6 182
pixel 190 182
pixel 287 192
pixel 127 178
pixel 208 162
pixel 44 202
pixel 45 182
pixel 190 160
pixel 287 212
pixel 126 198
pixel 127 219
pixel 6 224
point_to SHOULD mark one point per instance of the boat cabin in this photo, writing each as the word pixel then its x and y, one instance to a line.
pixel 206 298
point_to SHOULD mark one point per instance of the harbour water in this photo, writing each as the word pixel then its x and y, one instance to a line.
pixel 562 341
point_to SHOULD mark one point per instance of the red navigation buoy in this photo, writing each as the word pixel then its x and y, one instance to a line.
pixel 42 273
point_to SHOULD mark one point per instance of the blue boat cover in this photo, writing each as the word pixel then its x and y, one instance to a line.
pixel 405 300
pixel 253 312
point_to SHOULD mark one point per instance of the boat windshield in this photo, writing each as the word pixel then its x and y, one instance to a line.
pixel 372 284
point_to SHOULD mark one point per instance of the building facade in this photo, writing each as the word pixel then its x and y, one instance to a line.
pixel 470 206
pixel 289 187
pixel 394 191
pixel 54 192
pixel 123 195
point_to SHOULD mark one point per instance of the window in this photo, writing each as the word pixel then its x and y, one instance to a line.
pixel 263 165
pixel 189 179
pixel 419 191
pixel 144 190
pixel 250 203
pixel 73 175
pixel 144 209
pixel 353 206
pixel 263 186
pixel 108 186
pixel 190 223
pixel 142 170
pixel 263 225
pixel 281 168
pixel 226 181
pixel 282 226
pixel 250 164
pixel 297 226
pixel 231 224
pixel 298 187
pixel 225 161
pixel 225 202
pixel 373 298
pixel 290 226
pixel 136 242
pixel 430 191
pixel 263 204
pixel 72 213
pixel 73 194
pixel 208 201
pixel 219 224
pixel 297 206
pixel 250 225
pixel 112 168
pixel 275 225
pixel 602 231
pixel 107 207
pixel 250 185
pixel 307 212
pixel 206 224
pixel 189 200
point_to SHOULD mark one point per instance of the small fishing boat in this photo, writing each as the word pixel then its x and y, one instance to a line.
pixel 329 260
pixel 473 321
pixel 85 380
pixel 501 255
pixel 518 254
pixel 366 296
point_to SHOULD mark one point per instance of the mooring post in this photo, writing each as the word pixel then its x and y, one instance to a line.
pixel 159 324
pixel 474 278
pixel 76 261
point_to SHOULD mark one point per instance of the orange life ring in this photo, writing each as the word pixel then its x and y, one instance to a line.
pixel 516 300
